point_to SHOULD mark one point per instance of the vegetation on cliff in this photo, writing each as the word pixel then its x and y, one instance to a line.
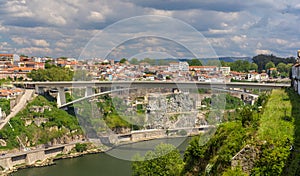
pixel 105 112
pixel 271 128
pixel 164 160
pixel 222 101
pixel 40 122
pixel 5 105
pixel 212 152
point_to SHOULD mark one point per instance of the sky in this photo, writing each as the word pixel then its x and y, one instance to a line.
pixel 137 28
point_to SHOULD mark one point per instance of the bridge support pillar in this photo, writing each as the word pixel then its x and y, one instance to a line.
pixel 61 97
pixel 39 90
pixel 89 91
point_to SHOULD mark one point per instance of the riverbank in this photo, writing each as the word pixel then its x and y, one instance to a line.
pixel 92 150
pixel 104 163
pixel 51 160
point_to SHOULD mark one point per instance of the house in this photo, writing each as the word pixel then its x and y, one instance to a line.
pixel 39 109
pixel 264 76
pixel 8 58
pixel 271 71
pixel 204 69
pixel 253 76
pixel 178 66
pixel 173 67
pixel 225 70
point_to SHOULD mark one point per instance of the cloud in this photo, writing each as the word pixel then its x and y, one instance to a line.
pixel 35 51
pixel 20 40
pixel 160 12
pixel 63 28
pixel 96 16
pixel 262 51
pixel 40 43
pixel 210 5
pixel 220 31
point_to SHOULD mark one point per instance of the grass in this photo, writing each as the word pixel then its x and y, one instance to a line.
pixel 277 133
pixel 274 123
pixel 293 165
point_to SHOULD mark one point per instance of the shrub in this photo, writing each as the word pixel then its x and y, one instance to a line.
pixel 80 147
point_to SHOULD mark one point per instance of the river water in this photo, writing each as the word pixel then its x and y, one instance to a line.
pixel 105 164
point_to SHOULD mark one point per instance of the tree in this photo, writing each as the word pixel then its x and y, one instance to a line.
pixel 149 61
pixel 261 60
pixel 269 65
pixel 234 172
pixel 63 58
pixel 225 64
pixel 122 61
pixel 254 66
pixel 81 75
pixel 213 63
pixel 134 61
pixel 247 115
pixel 241 66
pixel 5 105
pixel 164 160
pixel 282 67
pixel 274 74
pixel 80 147
pixel 51 74
pixel 195 62
pixel 23 55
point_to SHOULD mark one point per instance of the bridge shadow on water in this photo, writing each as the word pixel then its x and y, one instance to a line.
pixel 292 166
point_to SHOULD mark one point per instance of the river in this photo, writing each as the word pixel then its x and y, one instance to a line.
pixel 105 164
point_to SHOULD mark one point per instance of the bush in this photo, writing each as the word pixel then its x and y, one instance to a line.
pixel 5 105
pixel 80 147
pixel 164 160
pixel 246 114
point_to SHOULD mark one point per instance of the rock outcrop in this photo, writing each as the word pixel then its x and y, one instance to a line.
pixel 245 158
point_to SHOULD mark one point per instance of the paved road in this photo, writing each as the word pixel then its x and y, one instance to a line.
pixel 23 101
pixel 7 155
pixel 152 84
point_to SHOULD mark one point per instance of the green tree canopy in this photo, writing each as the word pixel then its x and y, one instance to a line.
pixel 241 66
pixel 52 74
pixel 134 61
pixel 149 61
pixel 262 59
pixel 122 61
pixel 254 66
pixel 282 67
pixel 164 160
pixel 5 105
pixel 269 65
pixel 213 63
pixel 195 62
pixel 81 75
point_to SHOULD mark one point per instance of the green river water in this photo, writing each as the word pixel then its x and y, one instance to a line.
pixel 106 164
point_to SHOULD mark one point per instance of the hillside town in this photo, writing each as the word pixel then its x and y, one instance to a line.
pixel 17 67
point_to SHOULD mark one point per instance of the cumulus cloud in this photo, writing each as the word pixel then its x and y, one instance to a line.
pixel 63 28
pixel 262 51
pixel 96 16
pixel 40 43
pixel 20 40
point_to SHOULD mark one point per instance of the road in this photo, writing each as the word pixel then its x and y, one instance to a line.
pixel 151 84
pixel 19 153
pixel 23 101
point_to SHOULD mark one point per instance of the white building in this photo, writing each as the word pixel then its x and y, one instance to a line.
pixel 178 66
pixel 225 70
